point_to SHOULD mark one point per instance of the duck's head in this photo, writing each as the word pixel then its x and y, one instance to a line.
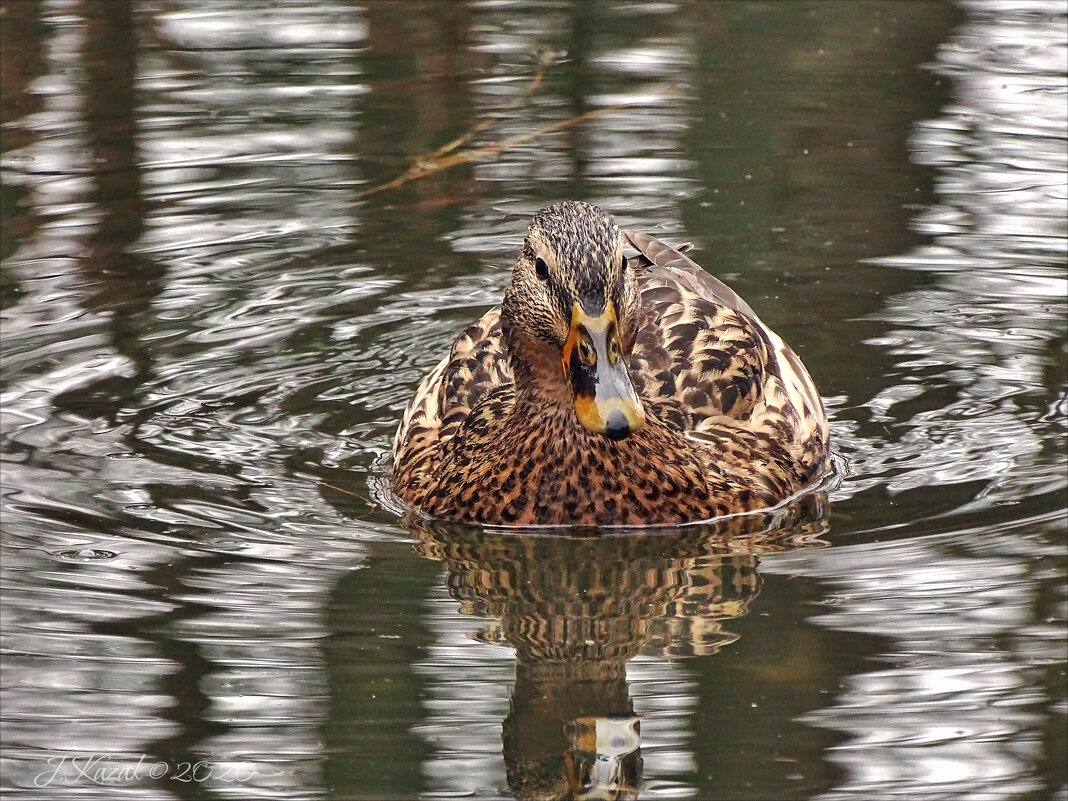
pixel 570 317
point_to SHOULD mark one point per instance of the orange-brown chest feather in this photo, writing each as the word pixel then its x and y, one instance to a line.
pixel 500 473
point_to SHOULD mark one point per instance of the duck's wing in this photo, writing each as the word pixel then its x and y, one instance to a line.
pixel 699 351
pixel 672 263
pixel 706 357
pixel 475 366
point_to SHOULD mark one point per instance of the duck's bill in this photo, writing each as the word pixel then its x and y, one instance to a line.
pixel 605 400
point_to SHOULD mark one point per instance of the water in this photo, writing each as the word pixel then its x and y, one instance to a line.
pixel 210 325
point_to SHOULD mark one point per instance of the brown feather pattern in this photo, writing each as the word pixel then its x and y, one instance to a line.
pixel 733 420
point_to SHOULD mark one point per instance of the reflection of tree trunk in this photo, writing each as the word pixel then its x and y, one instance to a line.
pixel 377 698
pixel 124 284
pixel 767 84
pixel 419 100
pixel 21 63
pixel 111 121
pixel 429 52
pixel 584 23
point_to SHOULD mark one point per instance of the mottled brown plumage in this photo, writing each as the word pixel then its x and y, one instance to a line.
pixel 608 390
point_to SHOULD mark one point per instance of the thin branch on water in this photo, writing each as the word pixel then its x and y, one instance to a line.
pixel 449 155
pixel 364 498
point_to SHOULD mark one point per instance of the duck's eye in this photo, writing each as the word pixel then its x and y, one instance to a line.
pixel 614 351
pixel 587 354
pixel 541 269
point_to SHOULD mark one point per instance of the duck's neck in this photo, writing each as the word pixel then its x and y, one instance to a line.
pixel 537 372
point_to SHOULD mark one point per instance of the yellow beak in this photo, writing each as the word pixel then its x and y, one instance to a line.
pixel 605 400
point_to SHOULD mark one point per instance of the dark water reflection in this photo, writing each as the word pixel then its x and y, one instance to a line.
pixel 575 612
pixel 208 333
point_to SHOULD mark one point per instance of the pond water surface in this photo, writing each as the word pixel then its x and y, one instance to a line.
pixel 214 311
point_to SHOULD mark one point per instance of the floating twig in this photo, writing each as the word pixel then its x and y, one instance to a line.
pixel 449 155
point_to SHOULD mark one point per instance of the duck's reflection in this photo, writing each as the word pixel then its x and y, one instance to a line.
pixel 577 609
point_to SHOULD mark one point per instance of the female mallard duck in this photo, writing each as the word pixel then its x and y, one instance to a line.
pixel 610 390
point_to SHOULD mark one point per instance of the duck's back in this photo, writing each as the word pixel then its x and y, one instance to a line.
pixel 723 375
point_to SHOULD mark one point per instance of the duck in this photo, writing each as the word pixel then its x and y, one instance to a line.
pixel 610 390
